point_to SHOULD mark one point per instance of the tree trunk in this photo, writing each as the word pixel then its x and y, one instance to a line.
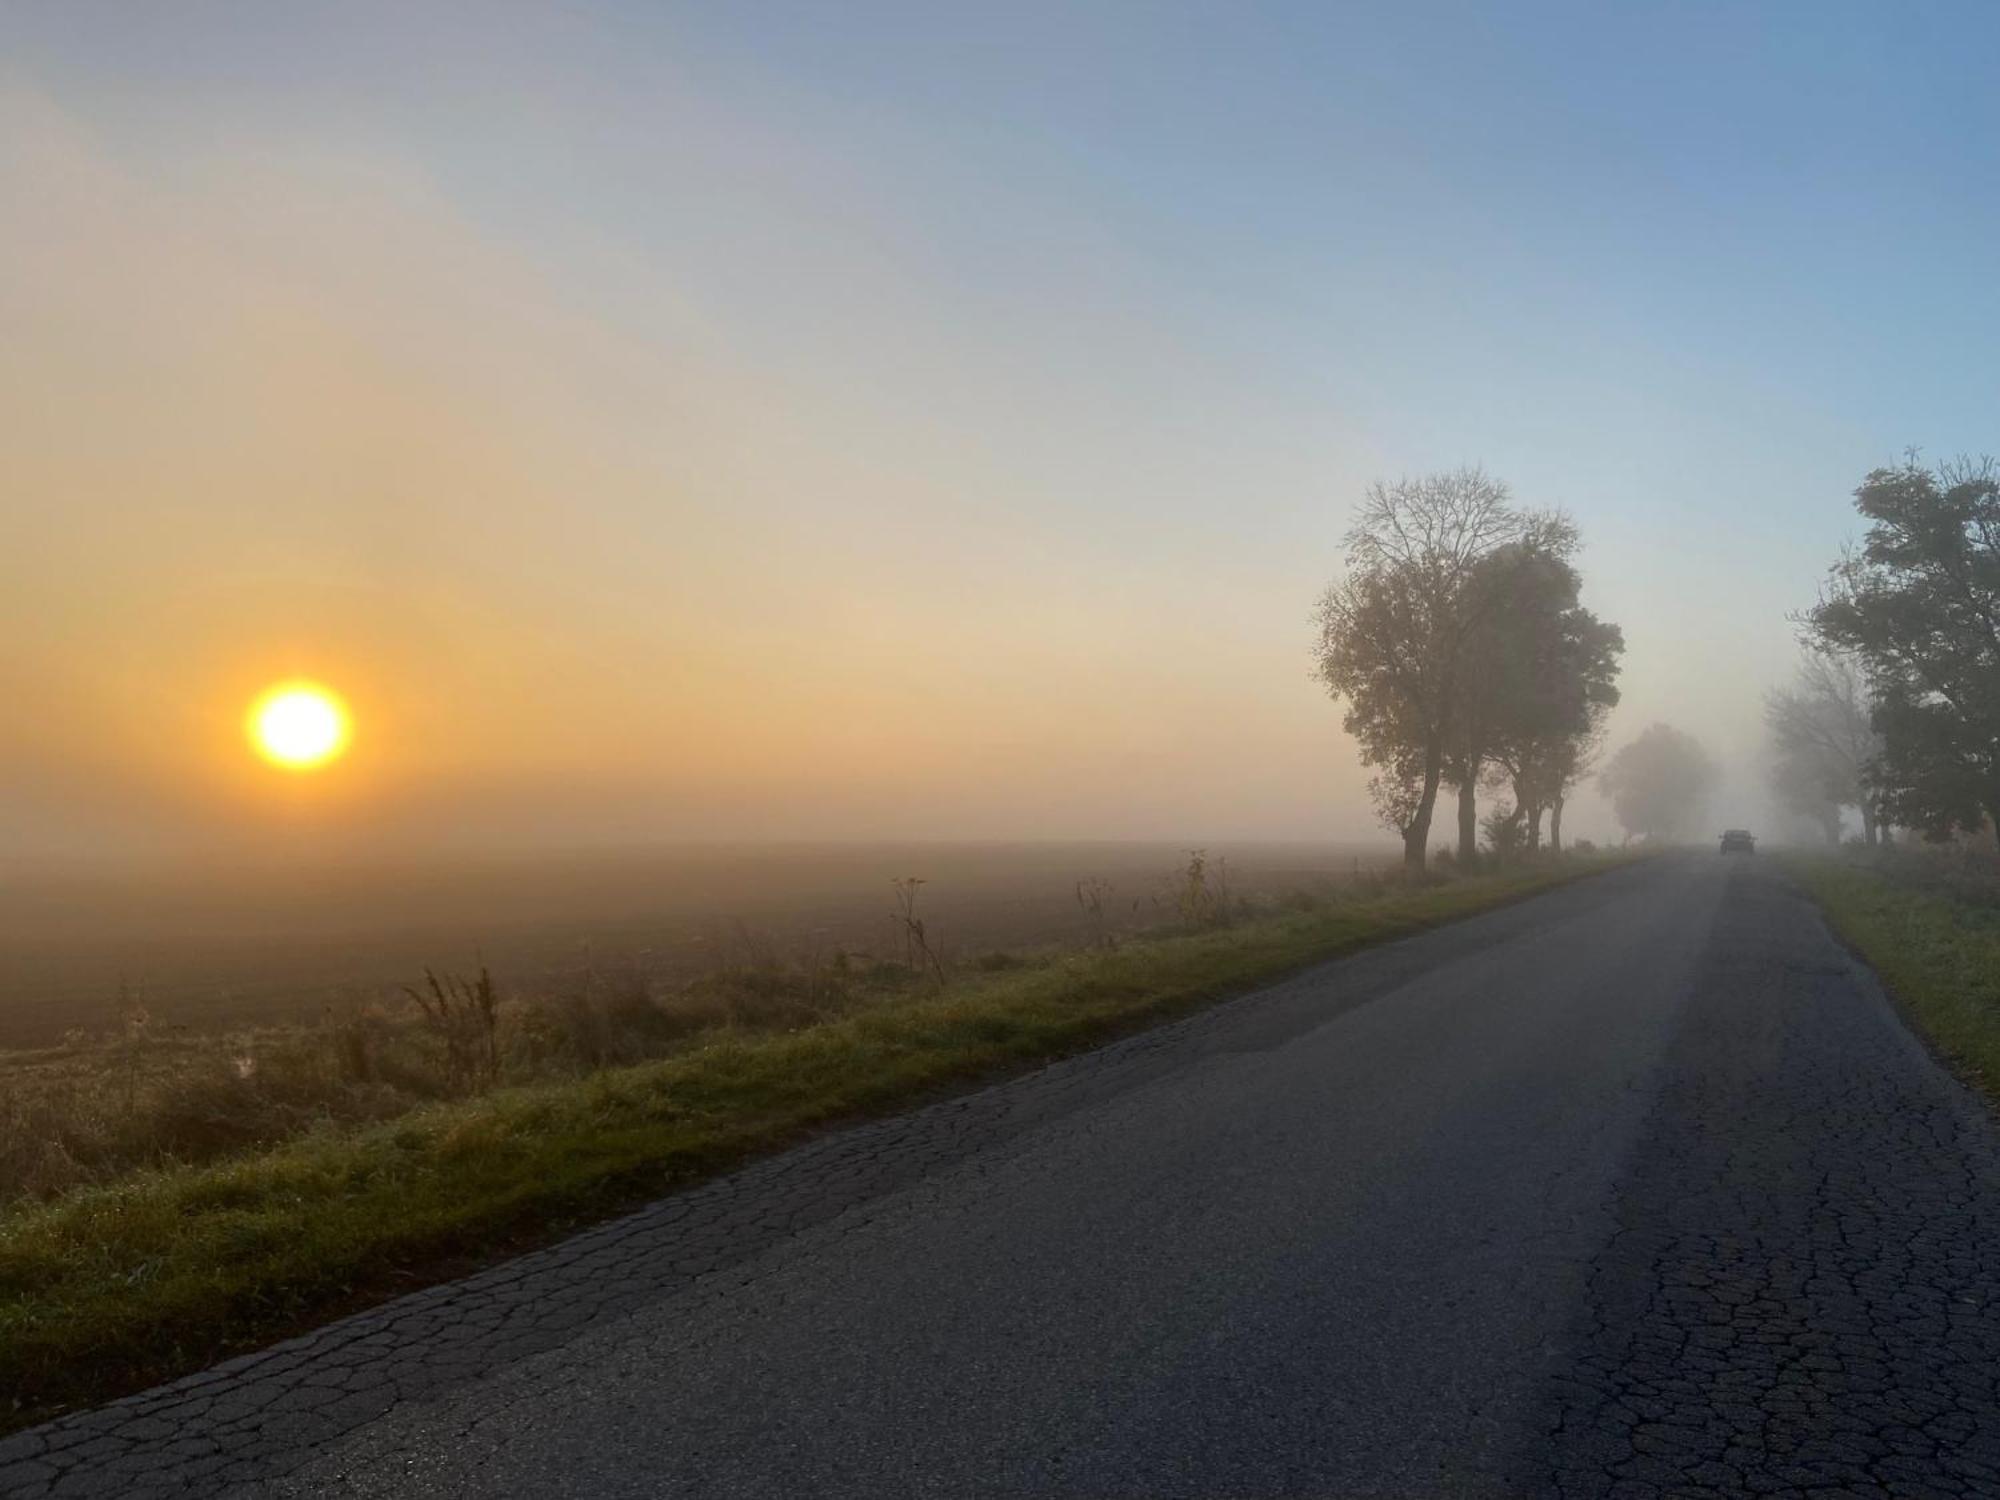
pixel 1530 808
pixel 1868 821
pixel 1468 814
pixel 1417 837
pixel 1555 825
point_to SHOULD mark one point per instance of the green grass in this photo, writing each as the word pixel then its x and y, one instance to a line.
pixel 1936 950
pixel 113 1287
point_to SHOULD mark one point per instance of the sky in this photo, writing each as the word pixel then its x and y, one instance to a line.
pixel 796 421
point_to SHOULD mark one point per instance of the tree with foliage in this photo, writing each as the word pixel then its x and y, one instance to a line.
pixel 1919 604
pixel 1541 773
pixel 1518 588
pixel 1658 782
pixel 1553 675
pixel 1502 825
pixel 1395 632
pixel 1825 742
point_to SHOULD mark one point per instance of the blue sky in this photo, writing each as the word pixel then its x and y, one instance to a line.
pixel 1029 358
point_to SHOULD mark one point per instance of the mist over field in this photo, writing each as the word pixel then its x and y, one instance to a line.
pixel 1063 747
pixel 241 944
pixel 676 427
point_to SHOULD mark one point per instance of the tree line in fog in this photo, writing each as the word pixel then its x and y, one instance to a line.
pixel 1465 663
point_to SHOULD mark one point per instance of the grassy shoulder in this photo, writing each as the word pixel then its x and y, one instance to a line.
pixel 1935 947
pixel 116 1286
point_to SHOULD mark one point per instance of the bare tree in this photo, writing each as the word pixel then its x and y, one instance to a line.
pixel 1803 793
pixel 1822 730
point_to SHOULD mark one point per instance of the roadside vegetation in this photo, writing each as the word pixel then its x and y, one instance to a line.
pixel 1894 714
pixel 1928 922
pixel 1458 645
pixel 169 1201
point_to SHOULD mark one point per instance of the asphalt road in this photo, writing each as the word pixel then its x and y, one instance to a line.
pixel 1640 1188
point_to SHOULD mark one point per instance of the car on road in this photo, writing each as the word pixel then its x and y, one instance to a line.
pixel 1738 841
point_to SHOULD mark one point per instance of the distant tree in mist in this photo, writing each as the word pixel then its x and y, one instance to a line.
pixel 1658 783
pixel 1825 743
pixel 1919 604
pixel 1803 795
pixel 1395 631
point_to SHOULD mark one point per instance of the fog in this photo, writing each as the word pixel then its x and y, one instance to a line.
pixel 666 429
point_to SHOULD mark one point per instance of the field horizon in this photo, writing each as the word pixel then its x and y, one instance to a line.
pixel 241 940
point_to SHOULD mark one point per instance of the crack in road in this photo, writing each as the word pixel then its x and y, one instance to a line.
pixel 1798 1300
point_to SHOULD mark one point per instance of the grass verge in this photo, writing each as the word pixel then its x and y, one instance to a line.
pixel 115 1287
pixel 1938 952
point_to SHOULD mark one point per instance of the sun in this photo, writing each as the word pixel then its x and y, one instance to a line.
pixel 299 725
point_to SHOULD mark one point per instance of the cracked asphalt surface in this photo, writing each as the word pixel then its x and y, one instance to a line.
pixel 1640 1188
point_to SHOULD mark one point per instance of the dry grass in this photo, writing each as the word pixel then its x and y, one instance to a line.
pixel 99 1107
pixel 145 1096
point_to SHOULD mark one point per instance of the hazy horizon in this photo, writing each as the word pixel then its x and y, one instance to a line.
pixel 686 425
pixel 205 945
